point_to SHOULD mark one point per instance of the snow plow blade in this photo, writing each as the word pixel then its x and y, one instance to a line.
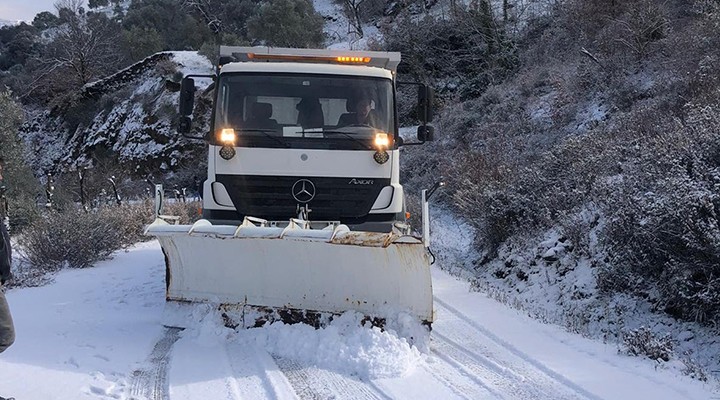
pixel 293 268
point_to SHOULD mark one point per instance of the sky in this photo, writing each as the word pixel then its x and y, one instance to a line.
pixel 24 10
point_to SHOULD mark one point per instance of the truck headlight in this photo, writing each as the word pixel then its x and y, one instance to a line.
pixel 382 141
pixel 228 136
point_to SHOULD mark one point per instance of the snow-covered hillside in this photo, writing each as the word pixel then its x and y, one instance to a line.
pixel 543 278
pixel 339 31
pixel 130 113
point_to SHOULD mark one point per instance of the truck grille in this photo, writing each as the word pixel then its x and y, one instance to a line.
pixel 271 197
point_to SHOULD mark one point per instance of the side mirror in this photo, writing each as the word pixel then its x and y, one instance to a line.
pixel 426 96
pixel 184 124
pixel 426 133
pixel 187 96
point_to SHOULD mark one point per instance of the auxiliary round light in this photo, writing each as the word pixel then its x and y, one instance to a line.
pixel 227 152
pixel 381 156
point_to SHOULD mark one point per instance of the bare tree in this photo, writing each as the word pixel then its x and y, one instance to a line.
pixel 353 10
pixel 85 48
pixel 209 12
pixel 644 24
pixel 86 45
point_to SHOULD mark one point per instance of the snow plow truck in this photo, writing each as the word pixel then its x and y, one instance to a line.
pixel 303 214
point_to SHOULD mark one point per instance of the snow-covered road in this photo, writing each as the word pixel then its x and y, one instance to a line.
pixel 97 334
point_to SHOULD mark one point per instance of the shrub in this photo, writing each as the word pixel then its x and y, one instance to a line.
pixel 650 176
pixel 465 53
pixel 130 220
pixel 189 212
pixel 17 175
pixel 73 238
pixel 78 239
pixel 693 368
pixel 663 227
pixel 644 342
pixel 640 27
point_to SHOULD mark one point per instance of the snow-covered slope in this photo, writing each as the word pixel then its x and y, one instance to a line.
pixel 130 113
pixel 339 31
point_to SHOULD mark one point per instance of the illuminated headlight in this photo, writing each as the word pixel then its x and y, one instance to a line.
pixel 382 141
pixel 381 156
pixel 227 136
pixel 227 152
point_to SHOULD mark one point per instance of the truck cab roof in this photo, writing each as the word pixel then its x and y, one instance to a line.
pixel 340 59
pixel 306 68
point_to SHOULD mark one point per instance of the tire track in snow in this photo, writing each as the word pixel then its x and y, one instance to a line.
pixel 204 370
pixel 458 379
pixel 151 382
pixel 505 383
pixel 312 383
pixel 541 379
pixel 255 371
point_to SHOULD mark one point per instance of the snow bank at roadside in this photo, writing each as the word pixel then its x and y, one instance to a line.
pixel 541 275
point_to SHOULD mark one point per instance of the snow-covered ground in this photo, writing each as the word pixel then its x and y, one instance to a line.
pixel 97 334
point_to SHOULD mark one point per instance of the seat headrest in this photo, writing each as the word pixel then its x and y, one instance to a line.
pixel 308 104
pixel 350 105
pixel 262 110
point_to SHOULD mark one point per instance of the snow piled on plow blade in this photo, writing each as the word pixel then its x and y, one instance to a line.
pixel 293 268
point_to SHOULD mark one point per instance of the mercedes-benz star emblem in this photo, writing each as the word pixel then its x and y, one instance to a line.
pixel 303 191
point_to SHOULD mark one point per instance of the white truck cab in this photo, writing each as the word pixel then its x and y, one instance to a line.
pixel 308 134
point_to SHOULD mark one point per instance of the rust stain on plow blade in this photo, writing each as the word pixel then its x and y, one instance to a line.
pixel 247 316
pixel 328 271
pixel 373 239
pixel 184 314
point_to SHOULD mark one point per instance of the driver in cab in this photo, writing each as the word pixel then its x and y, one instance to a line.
pixel 360 113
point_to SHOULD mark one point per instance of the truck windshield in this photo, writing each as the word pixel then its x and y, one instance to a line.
pixel 305 111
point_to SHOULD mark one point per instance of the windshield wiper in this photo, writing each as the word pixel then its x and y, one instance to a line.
pixel 267 132
pixel 351 137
